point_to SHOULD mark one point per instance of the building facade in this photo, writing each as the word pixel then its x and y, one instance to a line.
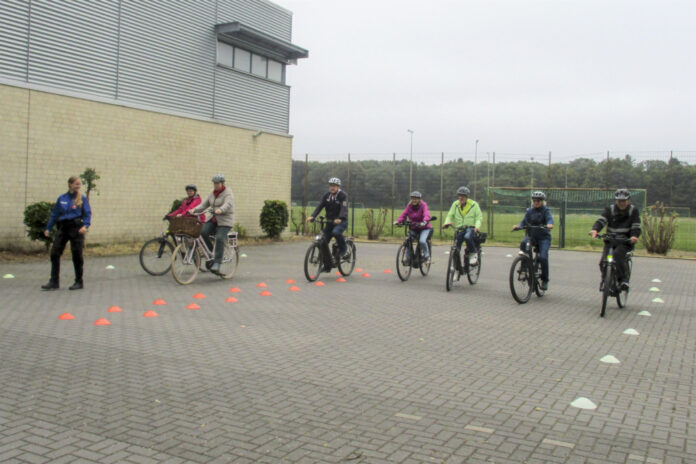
pixel 153 95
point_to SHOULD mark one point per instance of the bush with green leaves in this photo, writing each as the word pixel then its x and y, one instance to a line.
pixel 241 231
pixel 89 179
pixel 274 217
pixel 175 205
pixel 36 218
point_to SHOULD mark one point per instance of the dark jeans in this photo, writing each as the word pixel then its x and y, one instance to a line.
pixel 210 228
pixel 620 251
pixel 67 233
pixel 544 245
pixel 467 236
pixel 336 231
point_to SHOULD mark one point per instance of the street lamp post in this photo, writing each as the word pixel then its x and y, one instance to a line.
pixel 410 169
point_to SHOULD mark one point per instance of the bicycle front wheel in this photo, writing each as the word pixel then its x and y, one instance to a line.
pixel 475 271
pixel 424 263
pixel 622 295
pixel 156 256
pixel 346 266
pixel 186 260
pixel 537 280
pixel 521 279
pixel 606 291
pixel 313 262
pixel 230 261
pixel 452 269
pixel 403 263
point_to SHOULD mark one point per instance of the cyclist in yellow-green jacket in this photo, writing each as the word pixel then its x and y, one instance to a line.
pixel 465 213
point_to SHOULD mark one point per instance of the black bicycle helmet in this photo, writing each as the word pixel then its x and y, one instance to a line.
pixel 538 194
pixel 416 194
pixel 622 194
pixel 463 191
pixel 191 187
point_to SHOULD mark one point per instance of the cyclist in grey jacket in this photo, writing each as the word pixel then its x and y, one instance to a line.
pixel 221 201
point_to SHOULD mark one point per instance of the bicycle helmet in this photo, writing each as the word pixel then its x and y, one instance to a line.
pixel 335 181
pixel 622 194
pixel 416 194
pixel 538 194
pixel 463 191
pixel 191 187
pixel 218 178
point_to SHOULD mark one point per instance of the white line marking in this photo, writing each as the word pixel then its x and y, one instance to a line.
pixel 563 444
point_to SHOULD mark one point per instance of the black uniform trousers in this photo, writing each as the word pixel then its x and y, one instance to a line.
pixel 67 232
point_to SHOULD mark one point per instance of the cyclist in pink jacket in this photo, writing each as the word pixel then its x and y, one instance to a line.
pixel 417 212
pixel 191 201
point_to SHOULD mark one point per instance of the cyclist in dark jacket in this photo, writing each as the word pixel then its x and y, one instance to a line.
pixel 335 201
pixel 622 219
pixel 538 215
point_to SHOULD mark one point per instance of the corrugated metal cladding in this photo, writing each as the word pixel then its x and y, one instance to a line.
pixel 152 52
pixel 74 47
pixel 14 32
pixel 251 101
pixel 258 14
pixel 168 54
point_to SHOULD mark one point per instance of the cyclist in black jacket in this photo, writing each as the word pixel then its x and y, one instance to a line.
pixel 336 203
pixel 622 219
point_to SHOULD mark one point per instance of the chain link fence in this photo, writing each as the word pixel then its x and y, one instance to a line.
pixel 382 183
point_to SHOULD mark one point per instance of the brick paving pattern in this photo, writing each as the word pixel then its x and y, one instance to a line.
pixel 368 371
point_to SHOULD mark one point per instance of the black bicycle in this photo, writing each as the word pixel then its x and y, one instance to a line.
pixel 408 258
pixel 525 271
pixel 156 254
pixel 459 263
pixel 320 259
pixel 610 285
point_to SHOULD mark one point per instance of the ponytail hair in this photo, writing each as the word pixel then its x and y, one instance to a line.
pixel 78 198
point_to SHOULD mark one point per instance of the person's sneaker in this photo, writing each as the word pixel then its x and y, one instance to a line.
pixel 78 285
pixel 215 268
pixel 544 285
pixel 473 260
pixel 623 285
pixel 51 285
pixel 427 261
pixel 346 255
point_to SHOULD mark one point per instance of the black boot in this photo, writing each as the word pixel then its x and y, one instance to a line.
pixel 51 285
pixel 78 285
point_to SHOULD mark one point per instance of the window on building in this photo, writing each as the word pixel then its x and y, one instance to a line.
pixel 225 54
pixel 242 60
pixel 258 65
pixel 275 71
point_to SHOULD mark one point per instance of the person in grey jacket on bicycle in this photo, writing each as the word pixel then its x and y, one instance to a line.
pixel 221 201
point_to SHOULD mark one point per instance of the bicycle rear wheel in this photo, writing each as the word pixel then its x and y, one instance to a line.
pixel 606 291
pixel 622 295
pixel 346 266
pixel 475 271
pixel 521 279
pixel 313 262
pixel 452 269
pixel 156 256
pixel 230 261
pixel 424 263
pixel 403 263
pixel 186 260
pixel 537 279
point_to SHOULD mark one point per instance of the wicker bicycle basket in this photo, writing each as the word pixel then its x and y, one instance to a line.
pixel 185 225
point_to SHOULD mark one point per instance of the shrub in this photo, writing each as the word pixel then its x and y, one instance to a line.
pixel 36 217
pixel 657 231
pixel 90 178
pixel 241 231
pixel 375 225
pixel 274 217
pixel 175 205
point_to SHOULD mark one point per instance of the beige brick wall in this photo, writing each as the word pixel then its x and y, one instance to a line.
pixel 144 159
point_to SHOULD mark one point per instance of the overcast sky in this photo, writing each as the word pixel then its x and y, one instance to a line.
pixel 521 76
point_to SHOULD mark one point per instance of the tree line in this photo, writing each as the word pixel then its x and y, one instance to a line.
pixel 374 183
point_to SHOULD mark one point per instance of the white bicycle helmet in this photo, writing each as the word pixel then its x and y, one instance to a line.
pixel 335 181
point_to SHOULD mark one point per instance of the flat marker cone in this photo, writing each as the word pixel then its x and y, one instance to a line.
pixel 102 321
pixel 294 288
pixel 357 269
pixel 235 290
pixel 341 279
pixel 265 293
pixel 199 296
pixel 159 302
pixel 261 285
pixel 290 281
pixel 150 313
pixel 66 317
pixel 114 309
pixel 388 271
pixel 365 274
pixel 193 306
pixel 231 299
pixel 319 283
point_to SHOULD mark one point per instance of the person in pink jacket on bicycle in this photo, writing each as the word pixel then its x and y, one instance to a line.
pixel 417 212
pixel 192 200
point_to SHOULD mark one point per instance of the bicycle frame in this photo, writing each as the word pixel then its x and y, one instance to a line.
pixel 608 260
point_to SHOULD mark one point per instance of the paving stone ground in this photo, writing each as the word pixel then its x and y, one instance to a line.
pixel 368 371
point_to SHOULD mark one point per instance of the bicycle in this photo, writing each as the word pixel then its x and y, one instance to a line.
pixel 457 266
pixel 525 271
pixel 407 258
pixel 609 285
pixel 319 258
pixel 186 258
pixel 156 254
